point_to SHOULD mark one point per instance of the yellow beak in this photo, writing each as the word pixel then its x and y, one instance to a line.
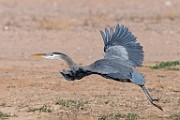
pixel 38 55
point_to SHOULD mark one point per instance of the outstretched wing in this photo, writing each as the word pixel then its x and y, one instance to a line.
pixel 116 69
pixel 122 44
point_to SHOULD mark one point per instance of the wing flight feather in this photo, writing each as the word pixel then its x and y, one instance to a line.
pixel 122 44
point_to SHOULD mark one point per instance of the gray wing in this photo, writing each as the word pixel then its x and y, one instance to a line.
pixel 116 69
pixel 108 66
pixel 122 44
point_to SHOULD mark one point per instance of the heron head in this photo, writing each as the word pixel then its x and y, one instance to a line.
pixel 50 55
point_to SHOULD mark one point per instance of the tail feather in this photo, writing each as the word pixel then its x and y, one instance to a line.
pixel 137 78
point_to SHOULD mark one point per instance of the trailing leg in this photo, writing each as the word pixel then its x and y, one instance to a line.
pixel 150 98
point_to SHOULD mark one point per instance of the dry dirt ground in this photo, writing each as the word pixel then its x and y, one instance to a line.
pixel 72 27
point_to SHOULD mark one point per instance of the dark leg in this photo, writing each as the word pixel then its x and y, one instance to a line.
pixel 150 98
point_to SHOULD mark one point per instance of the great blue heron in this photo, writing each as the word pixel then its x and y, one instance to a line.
pixel 122 55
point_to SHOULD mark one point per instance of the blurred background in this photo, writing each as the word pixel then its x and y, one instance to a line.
pixel 56 25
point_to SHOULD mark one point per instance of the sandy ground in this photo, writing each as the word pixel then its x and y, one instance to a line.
pixel 72 27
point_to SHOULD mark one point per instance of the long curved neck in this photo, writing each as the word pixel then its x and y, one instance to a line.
pixel 69 61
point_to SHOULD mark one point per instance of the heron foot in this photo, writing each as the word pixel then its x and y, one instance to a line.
pixel 157 105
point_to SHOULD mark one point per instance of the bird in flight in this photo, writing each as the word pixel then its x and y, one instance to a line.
pixel 122 55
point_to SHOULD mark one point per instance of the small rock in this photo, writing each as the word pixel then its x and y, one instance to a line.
pixel 6 28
